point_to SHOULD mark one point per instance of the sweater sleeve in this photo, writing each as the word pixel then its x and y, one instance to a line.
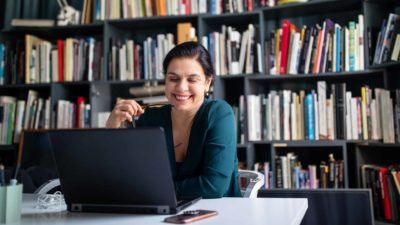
pixel 219 156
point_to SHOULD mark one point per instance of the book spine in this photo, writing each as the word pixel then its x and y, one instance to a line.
pixel 310 117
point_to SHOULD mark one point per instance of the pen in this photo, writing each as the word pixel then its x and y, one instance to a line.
pixel 3 182
pixel 133 122
pixel 13 181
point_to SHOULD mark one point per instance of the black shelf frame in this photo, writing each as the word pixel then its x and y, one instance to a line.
pixel 319 76
pixel 317 7
pixel 8 148
pixel 229 87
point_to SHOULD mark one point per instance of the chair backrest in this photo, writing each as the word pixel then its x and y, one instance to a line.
pixel 253 182
pixel 46 188
pixel 331 206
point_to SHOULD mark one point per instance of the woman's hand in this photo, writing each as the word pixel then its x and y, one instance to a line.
pixel 123 110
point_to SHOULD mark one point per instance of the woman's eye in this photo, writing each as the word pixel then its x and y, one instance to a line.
pixel 192 80
pixel 173 79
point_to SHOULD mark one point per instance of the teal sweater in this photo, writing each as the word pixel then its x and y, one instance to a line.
pixel 210 168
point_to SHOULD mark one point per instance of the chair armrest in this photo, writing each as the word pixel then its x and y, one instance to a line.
pixel 46 187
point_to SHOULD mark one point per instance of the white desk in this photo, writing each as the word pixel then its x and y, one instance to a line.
pixel 273 211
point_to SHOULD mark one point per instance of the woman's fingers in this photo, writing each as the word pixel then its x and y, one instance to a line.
pixel 130 106
pixel 126 109
pixel 123 115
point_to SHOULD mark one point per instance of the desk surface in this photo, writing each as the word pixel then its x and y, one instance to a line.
pixel 274 211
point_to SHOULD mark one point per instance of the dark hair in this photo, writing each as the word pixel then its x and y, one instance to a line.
pixel 191 50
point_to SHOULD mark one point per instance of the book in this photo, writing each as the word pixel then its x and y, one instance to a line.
pixel 32 22
pixel 283 2
pixel 284 47
pixel 183 32
pixel 161 99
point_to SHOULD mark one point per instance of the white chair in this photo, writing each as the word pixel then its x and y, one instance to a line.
pixel 255 181
pixel 48 186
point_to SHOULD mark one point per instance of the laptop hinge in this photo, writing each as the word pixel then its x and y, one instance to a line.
pixel 82 207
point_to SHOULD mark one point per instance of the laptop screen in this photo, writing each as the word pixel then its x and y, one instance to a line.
pixel 113 166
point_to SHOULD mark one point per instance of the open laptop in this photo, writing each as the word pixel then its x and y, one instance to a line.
pixel 115 170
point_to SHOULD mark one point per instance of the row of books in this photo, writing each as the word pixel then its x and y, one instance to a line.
pixel 130 60
pixel 234 53
pixel 384 181
pixel 7 118
pixel 40 61
pixel 18 114
pixel 315 49
pixel 92 10
pixel 230 6
pixel 125 9
pixel 72 115
pixel 289 173
pixel 35 112
pixel 288 115
pixel 387 46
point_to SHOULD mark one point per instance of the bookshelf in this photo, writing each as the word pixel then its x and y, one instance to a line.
pixel 101 94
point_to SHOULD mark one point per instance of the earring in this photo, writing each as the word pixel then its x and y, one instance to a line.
pixel 206 93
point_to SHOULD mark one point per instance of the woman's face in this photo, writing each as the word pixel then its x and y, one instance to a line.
pixel 186 84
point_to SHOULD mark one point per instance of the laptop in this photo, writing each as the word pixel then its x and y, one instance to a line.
pixel 116 171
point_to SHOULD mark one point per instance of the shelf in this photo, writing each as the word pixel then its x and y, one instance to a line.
pixel 322 143
pixel 97 25
pixel 305 143
pixel 252 77
pixel 43 85
pixel 379 144
pixel 78 83
pixel 72 30
pixel 8 148
pixel 310 8
pixel 74 83
pixel 129 82
pixel 237 76
pixel 389 3
pixel 26 86
pixel 305 190
pixel 153 22
pixel 379 222
pixel 230 16
pixel 341 75
pixel 239 21
pixel 386 65
pixel 241 145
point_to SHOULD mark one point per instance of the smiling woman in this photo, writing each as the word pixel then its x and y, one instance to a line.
pixel 200 133
pixel 186 84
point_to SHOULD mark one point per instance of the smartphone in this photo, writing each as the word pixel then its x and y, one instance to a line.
pixel 191 216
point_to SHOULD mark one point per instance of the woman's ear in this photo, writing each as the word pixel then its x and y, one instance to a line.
pixel 208 83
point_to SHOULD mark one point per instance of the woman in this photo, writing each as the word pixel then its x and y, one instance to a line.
pixel 200 133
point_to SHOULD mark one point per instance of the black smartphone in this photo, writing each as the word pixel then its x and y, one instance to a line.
pixel 190 216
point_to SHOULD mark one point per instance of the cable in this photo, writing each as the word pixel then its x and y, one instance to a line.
pixel 50 201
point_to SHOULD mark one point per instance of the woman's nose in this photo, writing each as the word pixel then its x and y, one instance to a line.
pixel 182 86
